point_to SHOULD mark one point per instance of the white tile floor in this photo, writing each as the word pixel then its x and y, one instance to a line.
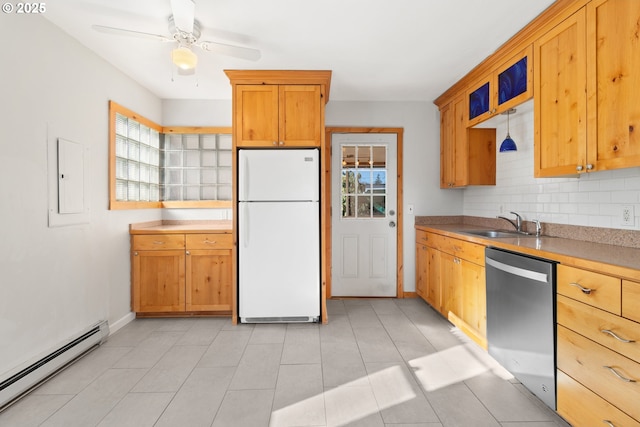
pixel 379 362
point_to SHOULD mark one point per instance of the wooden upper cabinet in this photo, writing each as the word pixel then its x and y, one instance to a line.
pixel 467 155
pixel 279 108
pixel 301 114
pixel 506 86
pixel 256 115
pixel 560 105
pixel 587 74
pixel 278 115
pixel 613 84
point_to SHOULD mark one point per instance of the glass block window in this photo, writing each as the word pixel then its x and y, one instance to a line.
pixel 137 161
pixel 150 165
pixel 364 181
pixel 196 167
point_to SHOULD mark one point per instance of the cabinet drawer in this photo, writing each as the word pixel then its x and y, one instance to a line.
pixel 158 241
pixel 591 322
pixel 601 291
pixel 422 237
pixel 471 252
pixel 631 300
pixel 588 363
pixel 209 241
pixel 582 407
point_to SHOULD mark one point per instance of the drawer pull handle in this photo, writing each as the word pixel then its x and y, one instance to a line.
pixel 158 242
pixel 623 378
pixel 584 290
pixel 210 242
pixel 609 423
pixel 613 334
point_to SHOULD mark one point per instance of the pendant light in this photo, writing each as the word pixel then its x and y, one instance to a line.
pixel 508 144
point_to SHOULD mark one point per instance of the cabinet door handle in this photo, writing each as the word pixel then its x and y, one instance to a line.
pixel 584 290
pixel 609 423
pixel 188 253
pixel 135 254
pixel 579 168
pixel 613 334
pixel 589 166
pixel 617 374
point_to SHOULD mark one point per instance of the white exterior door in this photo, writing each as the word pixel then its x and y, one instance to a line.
pixel 364 234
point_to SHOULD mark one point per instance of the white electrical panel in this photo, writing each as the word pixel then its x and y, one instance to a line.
pixel 70 177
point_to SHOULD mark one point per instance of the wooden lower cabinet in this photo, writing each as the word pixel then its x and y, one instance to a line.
pixel 434 288
pixel 158 281
pixel 455 281
pixel 194 276
pixel 582 407
pixel 597 348
pixel 422 260
pixel 208 280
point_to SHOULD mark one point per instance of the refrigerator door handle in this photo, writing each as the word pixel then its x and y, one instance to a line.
pixel 245 225
pixel 245 179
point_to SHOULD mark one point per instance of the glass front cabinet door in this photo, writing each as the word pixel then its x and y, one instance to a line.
pixel 505 87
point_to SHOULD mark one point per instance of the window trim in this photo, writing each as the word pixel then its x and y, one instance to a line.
pixel 115 108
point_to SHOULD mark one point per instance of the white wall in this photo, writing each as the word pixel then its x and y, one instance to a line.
pixel 595 199
pixel 57 281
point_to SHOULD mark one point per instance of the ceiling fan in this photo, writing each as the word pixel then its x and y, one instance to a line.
pixel 185 31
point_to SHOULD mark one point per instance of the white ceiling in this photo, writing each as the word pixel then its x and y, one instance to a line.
pixel 378 50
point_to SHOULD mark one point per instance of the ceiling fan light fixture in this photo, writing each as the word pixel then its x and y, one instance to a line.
pixel 184 58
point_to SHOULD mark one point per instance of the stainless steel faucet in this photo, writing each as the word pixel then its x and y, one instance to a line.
pixel 517 224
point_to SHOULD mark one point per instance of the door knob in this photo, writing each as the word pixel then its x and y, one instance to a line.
pixel 392 224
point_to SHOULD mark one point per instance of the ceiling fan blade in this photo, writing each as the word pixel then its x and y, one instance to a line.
pixel 183 14
pixel 130 33
pixel 230 50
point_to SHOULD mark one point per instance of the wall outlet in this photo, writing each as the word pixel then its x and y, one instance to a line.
pixel 627 217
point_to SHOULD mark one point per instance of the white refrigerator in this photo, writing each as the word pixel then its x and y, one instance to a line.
pixel 278 235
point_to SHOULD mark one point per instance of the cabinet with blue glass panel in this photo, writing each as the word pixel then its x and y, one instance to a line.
pixel 505 87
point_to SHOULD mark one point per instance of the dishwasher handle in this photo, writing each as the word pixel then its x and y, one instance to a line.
pixel 517 271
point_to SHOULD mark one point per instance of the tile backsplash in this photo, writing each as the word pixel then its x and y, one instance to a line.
pixel 594 199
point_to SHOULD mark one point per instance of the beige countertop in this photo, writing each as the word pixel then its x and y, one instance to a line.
pixel 181 227
pixel 618 260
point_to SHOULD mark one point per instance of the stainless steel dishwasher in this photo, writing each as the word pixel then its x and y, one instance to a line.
pixel 521 319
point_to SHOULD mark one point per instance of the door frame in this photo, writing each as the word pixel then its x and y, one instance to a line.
pixel 329 131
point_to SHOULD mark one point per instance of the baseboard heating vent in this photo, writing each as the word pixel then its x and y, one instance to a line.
pixel 18 384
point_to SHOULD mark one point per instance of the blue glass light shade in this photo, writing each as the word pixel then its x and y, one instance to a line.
pixel 508 144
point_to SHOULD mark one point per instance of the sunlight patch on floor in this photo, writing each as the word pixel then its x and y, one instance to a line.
pixel 351 401
pixel 454 365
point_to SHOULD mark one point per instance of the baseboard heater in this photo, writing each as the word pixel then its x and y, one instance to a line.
pixel 20 383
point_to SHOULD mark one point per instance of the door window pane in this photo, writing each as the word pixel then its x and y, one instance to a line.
pixel 364 181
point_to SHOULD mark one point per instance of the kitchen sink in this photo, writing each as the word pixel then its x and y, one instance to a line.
pixel 497 233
